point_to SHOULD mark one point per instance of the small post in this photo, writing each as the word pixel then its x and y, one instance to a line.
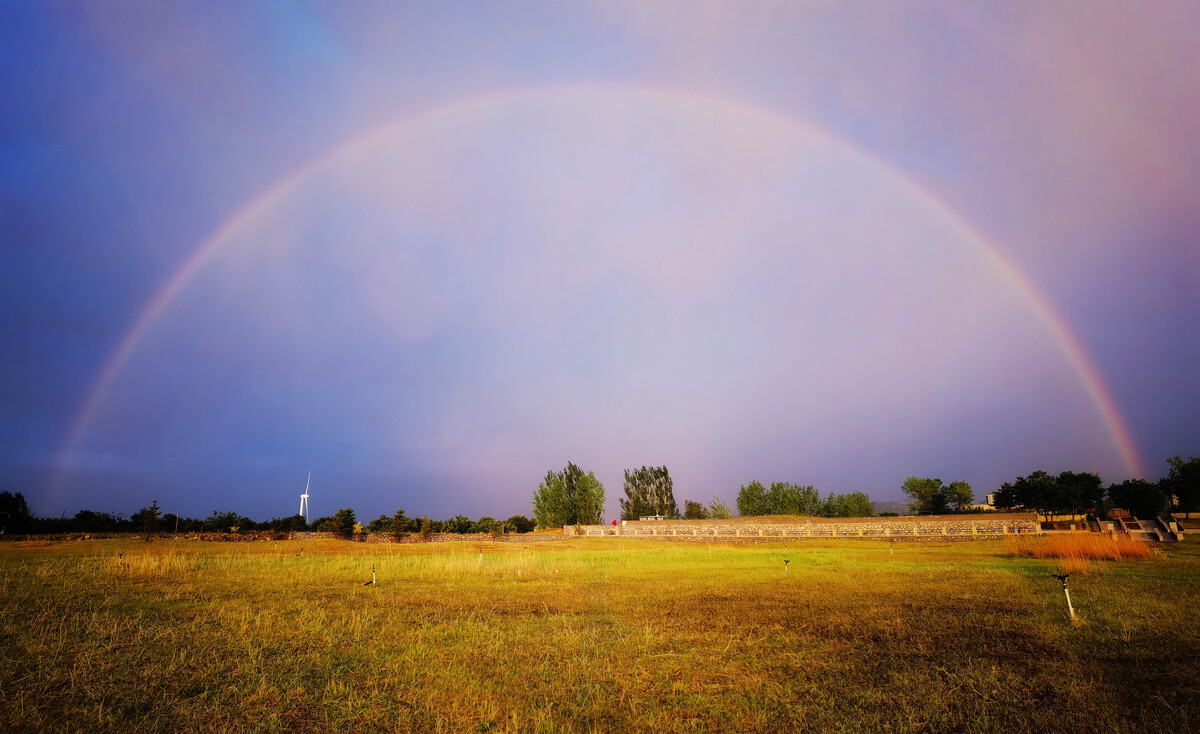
pixel 372 574
pixel 1063 578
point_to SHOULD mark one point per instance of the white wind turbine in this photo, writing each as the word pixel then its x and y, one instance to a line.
pixel 304 498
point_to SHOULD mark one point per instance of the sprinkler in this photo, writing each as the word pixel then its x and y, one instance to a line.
pixel 785 564
pixel 1063 578
pixel 372 581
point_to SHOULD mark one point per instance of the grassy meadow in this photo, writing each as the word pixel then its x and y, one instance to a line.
pixel 593 635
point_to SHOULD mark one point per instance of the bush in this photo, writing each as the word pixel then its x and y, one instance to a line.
pixel 520 524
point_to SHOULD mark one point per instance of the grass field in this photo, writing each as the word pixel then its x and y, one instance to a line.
pixel 592 635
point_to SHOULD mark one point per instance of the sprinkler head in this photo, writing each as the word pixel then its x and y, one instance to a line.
pixel 1062 577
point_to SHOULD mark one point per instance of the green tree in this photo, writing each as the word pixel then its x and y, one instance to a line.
pixel 224 522
pixel 1181 485
pixel 426 530
pixel 854 504
pixel 343 522
pixel 648 491
pixel 568 497
pixel 520 524
pixel 693 510
pixel 484 525
pixel 718 510
pixel 459 524
pixel 752 499
pixel 925 495
pixel 401 524
pixel 959 496
pixel 381 524
pixel 792 499
pixel 1040 492
pixel 146 519
pixel 931 497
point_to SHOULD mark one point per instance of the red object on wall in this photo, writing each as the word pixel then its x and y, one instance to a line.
pixel 614 522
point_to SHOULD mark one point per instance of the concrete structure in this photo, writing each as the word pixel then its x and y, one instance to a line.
pixel 875 528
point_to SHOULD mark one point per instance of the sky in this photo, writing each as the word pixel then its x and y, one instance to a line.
pixel 431 251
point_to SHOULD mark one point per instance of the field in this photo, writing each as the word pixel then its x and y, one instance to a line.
pixel 592 635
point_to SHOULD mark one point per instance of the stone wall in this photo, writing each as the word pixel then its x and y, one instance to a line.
pixel 960 527
pixel 433 537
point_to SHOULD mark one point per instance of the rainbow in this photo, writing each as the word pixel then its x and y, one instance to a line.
pixel 1070 347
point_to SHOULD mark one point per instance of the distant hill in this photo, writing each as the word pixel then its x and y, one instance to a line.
pixel 899 508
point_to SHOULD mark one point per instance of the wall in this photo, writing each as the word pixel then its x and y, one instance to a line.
pixel 433 537
pixel 959 527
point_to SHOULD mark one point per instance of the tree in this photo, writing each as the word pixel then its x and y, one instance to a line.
pixel 925 495
pixel 1181 485
pixel 1078 493
pixel 381 524
pixel 281 524
pixel 781 499
pixel 89 521
pixel 959 496
pixel 568 497
pixel 1143 499
pixel 426 530
pixel 224 522
pixel 718 510
pixel 1050 495
pixel 931 497
pixel 854 504
pixel 648 491
pixel 343 522
pixel 147 519
pixel 400 524
pixel 14 513
pixel 484 525
pixel 752 499
pixel 793 499
pixel 520 524
pixel 693 510
pixel 459 524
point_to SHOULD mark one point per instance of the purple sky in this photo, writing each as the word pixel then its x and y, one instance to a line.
pixel 431 251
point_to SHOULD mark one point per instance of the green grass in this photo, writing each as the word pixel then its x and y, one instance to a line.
pixel 591 635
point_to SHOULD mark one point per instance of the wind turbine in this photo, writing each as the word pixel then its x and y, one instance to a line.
pixel 304 498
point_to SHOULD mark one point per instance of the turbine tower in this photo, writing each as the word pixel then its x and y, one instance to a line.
pixel 304 498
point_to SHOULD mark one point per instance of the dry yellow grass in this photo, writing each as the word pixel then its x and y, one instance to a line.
pixel 589 635
pixel 1076 550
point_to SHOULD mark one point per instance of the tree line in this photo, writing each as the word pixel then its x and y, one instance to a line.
pixel 573 497
pixel 1076 493
pixel 15 518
